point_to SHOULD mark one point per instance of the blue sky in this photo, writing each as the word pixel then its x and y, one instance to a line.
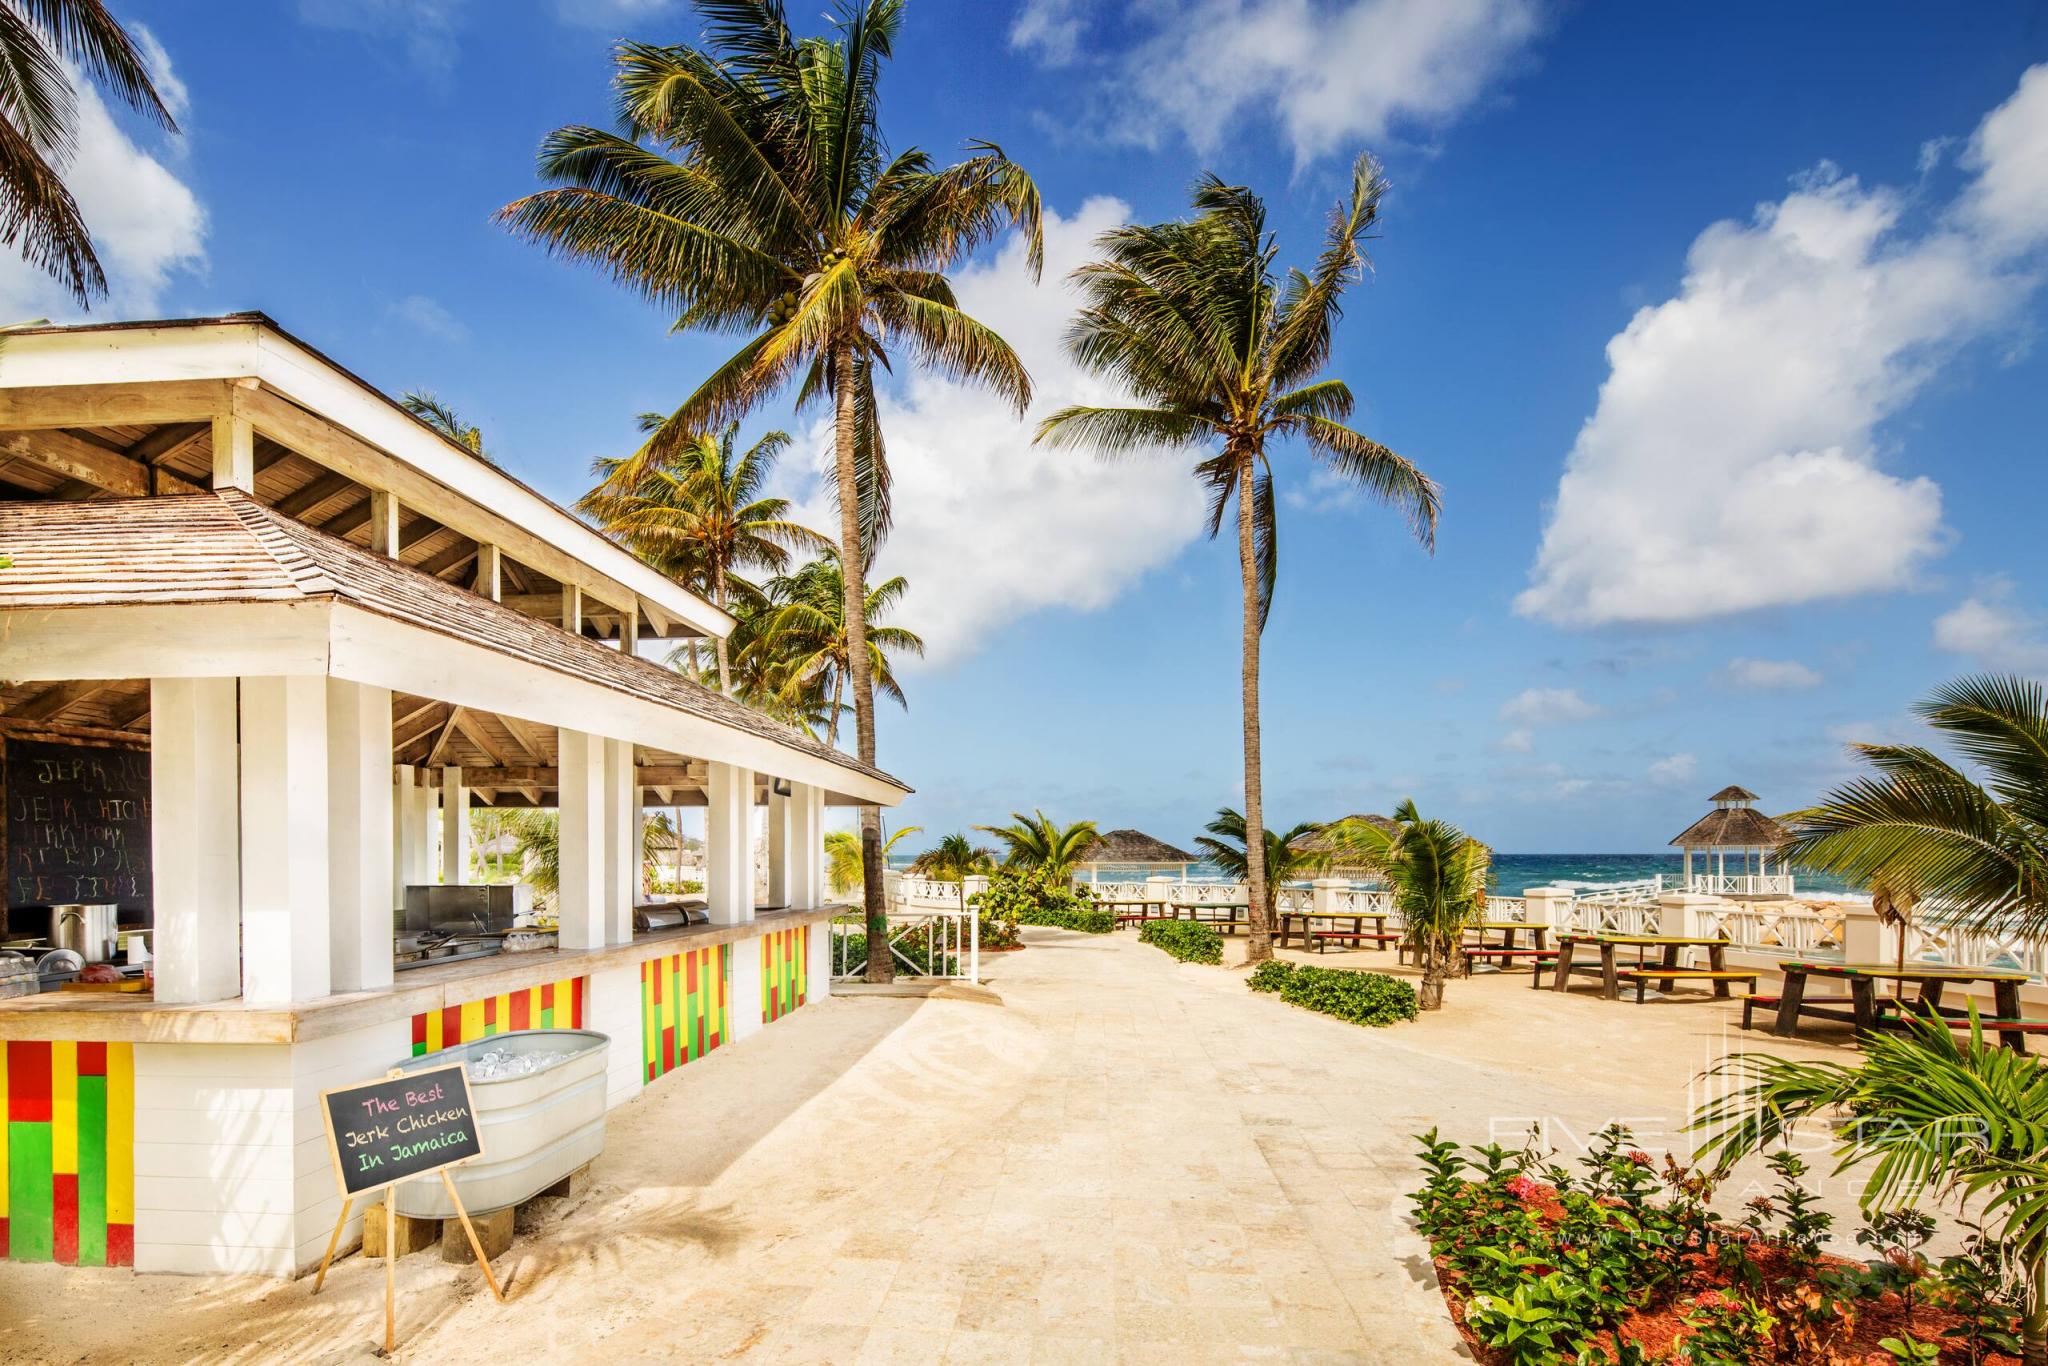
pixel 1767 277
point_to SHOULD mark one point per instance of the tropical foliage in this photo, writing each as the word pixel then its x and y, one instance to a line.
pixel 1972 849
pixel 1934 1115
pixel 1225 844
pixel 1366 998
pixel 1224 354
pixel 42 43
pixel 1038 841
pixel 1191 941
pixel 446 421
pixel 695 511
pixel 749 188
pixel 1437 876
pixel 1036 896
pixel 843 868
pixel 803 646
pixel 953 858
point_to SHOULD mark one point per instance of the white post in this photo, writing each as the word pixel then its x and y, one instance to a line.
pixel 285 937
pixel 1550 906
pixel 572 609
pixel 359 851
pixel 401 833
pixel 490 571
pixel 805 876
pixel 580 899
pixel 454 826
pixel 1688 869
pixel 234 455
pixel 778 847
pixel 419 818
pixel 384 523
pixel 622 841
pixel 195 839
pixel 729 845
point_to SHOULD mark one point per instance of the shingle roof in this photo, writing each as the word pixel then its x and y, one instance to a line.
pixel 1733 793
pixel 227 547
pixel 1132 846
pixel 1733 827
pixel 1321 841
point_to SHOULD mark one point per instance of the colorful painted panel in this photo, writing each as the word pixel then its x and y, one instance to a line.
pixel 785 971
pixel 67 1153
pixel 684 1010
pixel 555 1005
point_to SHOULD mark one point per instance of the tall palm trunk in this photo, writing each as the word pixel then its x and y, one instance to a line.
pixel 854 573
pixel 1260 937
pixel 2034 1322
pixel 718 601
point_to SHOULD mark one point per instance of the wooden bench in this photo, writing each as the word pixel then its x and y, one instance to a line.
pixel 1537 957
pixel 1755 1001
pixel 1318 937
pixel 1720 978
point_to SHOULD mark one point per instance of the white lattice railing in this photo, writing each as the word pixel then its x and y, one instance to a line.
pixel 950 942
pixel 1933 943
pixel 922 892
pixel 1740 884
pixel 1795 931
pixel 1627 909
pixel 1370 900
pixel 1512 908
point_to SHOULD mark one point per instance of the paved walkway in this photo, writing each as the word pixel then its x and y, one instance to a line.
pixel 1128 1159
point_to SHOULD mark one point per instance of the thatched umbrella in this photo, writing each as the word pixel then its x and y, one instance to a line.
pixel 1132 849
pixel 1322 841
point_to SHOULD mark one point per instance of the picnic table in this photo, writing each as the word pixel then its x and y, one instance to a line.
pixel 1507 952
pixel 1865 1012
pixel 1289 926
pixel 1666 972
pixel 1507 930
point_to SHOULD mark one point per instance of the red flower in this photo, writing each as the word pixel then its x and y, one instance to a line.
pixel 1524 1188
pixel 1712 1299
pixel 1641 1158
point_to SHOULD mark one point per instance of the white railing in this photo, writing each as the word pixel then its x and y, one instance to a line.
pixel 1369 900
pixel 1932 943
pixel 1797 931
pixel 1630 908
pixel 949 939
pixel 1512 908
pixel 922 892
pixel 1740 884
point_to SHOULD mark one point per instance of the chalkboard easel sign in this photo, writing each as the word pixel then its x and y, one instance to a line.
pixel 380 1133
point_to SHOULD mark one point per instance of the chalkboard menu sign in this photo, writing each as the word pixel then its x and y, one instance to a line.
pixel 77 824
pixel 400 1127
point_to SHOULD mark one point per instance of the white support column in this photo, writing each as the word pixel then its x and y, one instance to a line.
pixel 384 523
pixel 285 916
pixel 234 454
pixel 572 609
pixel 195 839
pixel 747 996
pixel 806 847
pixel 404 833
pixel 778 847
pixel 419 825
pixel 629 629
pixel 729 849
pixel 490 571
pixel 580 902
pixel 454 826
pixel 622 841
pixel 359 849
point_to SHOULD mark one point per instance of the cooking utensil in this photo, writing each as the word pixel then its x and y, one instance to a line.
pixel 87 930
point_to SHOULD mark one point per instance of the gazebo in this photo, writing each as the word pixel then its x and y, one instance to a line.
pixel 1735 825
pixel 1321 843
pixel 1135 851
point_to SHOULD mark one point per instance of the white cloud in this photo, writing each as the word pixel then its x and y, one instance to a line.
pixel 1518 741
pixel 990 527
pixel 1547 707
pixel 1993 631
pixel 169 87
pixel 1330 73
pixel 1674 768
pixel 1732 461
pixel 146 224
pixel 1769 675
pixel 424 28
pixel 419 311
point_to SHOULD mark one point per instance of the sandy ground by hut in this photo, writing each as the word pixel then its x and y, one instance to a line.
pixel 1123 1159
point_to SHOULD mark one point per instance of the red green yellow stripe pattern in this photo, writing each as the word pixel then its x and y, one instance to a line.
pixel 785 971
pixel 684 1008
pixel 553 1005
pixel 67 1153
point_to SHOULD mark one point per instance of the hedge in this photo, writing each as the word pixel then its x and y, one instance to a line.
pixel 1188 940
pixel 1090 921
pixel 1367 998
pixel 1033 897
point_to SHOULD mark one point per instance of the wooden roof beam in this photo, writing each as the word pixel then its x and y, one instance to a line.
pixel 50 702
pixel 92 464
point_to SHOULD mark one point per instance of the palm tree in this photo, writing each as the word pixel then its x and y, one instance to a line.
pixel 1436 874
pixel 1937 1114
pixel 40 41
pixel 844 868
pixel 1036 841
pixel 539 836
pixel 1973 854
pixel 953 859
pixel 807 644
pixel 750 189
pixel 1225 846
pixel 429 408
pixel 1223 356
pixel 697 514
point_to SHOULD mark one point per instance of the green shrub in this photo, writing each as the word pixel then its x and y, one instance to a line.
pixel 852 951
pixel 1367 998
pixel 1188 940
pixel 1270 975
pixel 1029 896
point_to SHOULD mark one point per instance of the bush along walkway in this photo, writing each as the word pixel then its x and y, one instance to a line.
pixel 1367 998
pixel 1188 940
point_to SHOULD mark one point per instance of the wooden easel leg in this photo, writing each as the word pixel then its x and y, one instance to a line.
pixel 470 1229
pixel 333 1241
pixel 390 1270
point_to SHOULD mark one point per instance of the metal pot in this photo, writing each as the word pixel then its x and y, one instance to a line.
pixel 87 930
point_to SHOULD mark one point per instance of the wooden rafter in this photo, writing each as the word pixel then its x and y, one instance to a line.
pixel 93 464
pixel 51 702
pixel 316 492
pixel 469 725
